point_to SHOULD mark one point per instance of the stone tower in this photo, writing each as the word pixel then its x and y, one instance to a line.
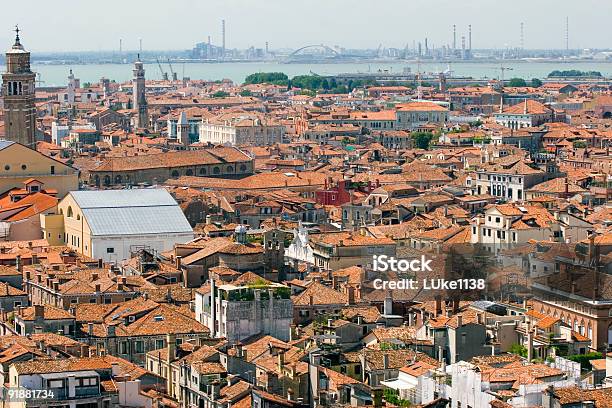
pixel 18 86
pixel 182 129
pixel 139 96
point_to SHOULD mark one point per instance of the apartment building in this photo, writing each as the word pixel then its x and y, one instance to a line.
pixel 504 225
pixel 238 311
pixel 416 115
pixel 507 181
pixel 337 250
pixel 241 129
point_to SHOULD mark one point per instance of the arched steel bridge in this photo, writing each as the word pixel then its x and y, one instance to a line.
pixel 320 46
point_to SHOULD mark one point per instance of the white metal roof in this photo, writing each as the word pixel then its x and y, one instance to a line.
pixel 131 212
pixel 123 198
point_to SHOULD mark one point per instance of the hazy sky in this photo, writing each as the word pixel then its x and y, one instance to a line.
pixel 76 25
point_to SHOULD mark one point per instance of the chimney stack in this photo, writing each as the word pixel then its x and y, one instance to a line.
pixel 39 312
pixel 350 295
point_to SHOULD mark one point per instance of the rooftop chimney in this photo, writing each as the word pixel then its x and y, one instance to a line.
pixel 39 311
pixel 350 295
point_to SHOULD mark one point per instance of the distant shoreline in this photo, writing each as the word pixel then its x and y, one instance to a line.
pixel 335 62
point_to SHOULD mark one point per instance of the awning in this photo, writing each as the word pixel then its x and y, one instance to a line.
pixel 398 384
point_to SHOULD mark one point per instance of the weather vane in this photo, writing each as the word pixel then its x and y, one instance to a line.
pixel 17 31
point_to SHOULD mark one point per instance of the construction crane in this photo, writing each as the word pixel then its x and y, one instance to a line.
pixel 39 81
pixel 174 76
pixel 502 70
pixel 164 74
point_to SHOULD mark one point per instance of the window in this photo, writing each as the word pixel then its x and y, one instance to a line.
pixel 159 344
pixel 123 347
pixel 139 346
pixel 87 382
pixel 52 169
pixel 7 167
pixel 55 384
pixel 110 250
pixel 24 167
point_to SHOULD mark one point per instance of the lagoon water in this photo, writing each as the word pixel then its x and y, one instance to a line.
pixel 56 75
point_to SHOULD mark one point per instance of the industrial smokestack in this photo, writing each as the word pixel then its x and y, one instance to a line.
pixel 470 37
pixel 223 36
pixel 567 33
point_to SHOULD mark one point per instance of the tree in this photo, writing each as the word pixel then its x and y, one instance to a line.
pixel 580 144
pixel 574 73
pixel 220 94
pixel 517 82
pixel 246 92
pixel 422 139
pixel 518 349
pixel 584 359
pixel 277 78
pixel 536 83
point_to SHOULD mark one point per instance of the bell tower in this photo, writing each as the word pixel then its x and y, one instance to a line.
pixel 18 87
pixel 139 96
